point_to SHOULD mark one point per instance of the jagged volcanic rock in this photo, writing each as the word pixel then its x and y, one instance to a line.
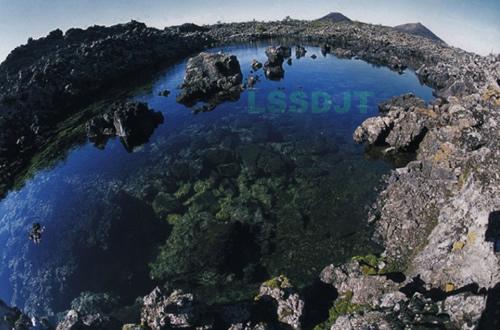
pixel 211 78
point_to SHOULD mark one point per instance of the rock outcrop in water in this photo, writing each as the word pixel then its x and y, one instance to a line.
pixel 436 215
pixel 211 78
pixel 133 122
pixel 273 67
pixel 402 125
pixel 300 51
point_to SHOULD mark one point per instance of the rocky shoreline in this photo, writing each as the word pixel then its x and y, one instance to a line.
pixel 437 217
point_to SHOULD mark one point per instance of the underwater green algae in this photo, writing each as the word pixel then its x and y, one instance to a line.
pixel 273 197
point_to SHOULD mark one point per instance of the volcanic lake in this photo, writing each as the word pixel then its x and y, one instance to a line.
pixel 214 203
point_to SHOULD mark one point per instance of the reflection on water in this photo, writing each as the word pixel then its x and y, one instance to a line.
pixel 214 202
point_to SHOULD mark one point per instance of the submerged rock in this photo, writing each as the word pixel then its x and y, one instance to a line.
pixel 211 78
pixel 165 93
pixel 36 232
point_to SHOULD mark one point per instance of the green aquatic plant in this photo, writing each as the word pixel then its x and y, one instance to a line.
pixel 184 191
pixel 225 208
pixel 201 186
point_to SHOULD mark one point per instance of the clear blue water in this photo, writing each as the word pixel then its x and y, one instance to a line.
pixel 101 233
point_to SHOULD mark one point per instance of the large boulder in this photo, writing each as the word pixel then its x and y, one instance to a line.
pixel 402 125
pixel 211 78
pixel 277 55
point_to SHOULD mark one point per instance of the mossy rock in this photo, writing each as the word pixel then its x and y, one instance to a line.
pixel 370 264
pixel 278 282
pixel 342 306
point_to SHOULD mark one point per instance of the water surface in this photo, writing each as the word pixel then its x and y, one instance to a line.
pixel 214 203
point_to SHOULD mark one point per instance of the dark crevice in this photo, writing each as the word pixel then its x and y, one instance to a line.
pixel 383 136
pixel 493 232
pixel 490 319
pixel 414 145
pixel 319 298
pixel 397 277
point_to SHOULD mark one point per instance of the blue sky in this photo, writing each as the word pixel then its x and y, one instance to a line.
pixel 469 24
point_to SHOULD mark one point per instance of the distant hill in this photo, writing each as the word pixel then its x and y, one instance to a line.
pixel 335 18
pixel 419 30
